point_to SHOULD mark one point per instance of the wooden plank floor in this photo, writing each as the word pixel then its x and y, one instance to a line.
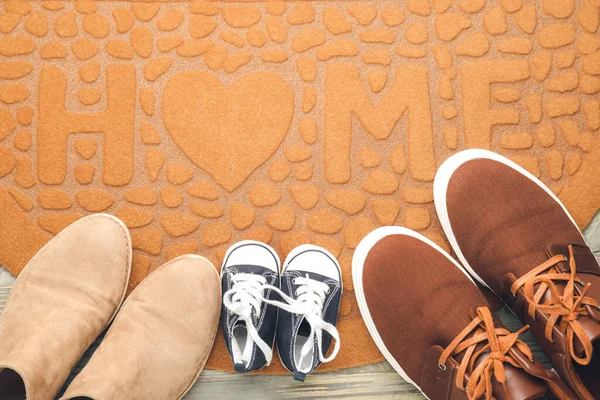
pixel 376 381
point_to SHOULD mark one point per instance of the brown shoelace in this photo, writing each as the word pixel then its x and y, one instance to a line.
pixel 499 342
pixel 564 309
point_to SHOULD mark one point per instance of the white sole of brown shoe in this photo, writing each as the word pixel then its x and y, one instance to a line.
pixel 358 262
pixel 440 186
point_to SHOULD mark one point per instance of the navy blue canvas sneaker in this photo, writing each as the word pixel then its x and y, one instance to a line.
pixel 250 279
pixel 311 285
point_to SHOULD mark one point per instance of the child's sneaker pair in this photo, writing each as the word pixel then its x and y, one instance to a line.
pixel 308 292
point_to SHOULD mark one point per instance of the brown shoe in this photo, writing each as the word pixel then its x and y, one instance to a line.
pixel 513 235
pixel 161 338
pixel 62 300
pixel 434 326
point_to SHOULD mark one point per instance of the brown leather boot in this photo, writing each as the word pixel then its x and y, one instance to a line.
pixel 514 236
pixel 161 338
pixel 435 327
pixel 62 300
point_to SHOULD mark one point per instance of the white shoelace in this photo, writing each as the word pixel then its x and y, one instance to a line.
pixel 246 297
pixel 309 304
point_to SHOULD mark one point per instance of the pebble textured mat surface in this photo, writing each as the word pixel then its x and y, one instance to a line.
pixel 203 123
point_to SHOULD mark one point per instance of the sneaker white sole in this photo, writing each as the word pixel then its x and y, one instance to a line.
pixel 358 262
pixel 440 187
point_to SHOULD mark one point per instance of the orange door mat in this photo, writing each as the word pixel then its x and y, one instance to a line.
pixel 203 123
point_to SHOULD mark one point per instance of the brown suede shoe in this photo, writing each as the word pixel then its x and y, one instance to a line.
pixel 434 326
pixel 63 299
pixel 161 338
pixel 513 235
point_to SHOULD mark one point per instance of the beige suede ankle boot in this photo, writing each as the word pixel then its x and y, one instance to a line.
pixel 62 300
pixel 161 338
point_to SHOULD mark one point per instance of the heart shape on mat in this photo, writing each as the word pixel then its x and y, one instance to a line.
pixel 228 131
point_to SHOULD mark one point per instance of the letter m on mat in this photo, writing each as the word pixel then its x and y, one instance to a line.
pixel 345 95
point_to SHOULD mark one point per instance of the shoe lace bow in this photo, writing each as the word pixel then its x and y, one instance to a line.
pixel 563 309
pixel 499 343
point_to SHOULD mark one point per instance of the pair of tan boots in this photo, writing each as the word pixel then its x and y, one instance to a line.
pixel 73 288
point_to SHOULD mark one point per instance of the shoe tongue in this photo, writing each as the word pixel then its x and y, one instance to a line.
pixel 520 384
pixel 590 322
pixel 245 351
pixel 592 330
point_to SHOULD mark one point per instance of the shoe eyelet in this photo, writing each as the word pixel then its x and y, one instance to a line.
pixel 442 367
